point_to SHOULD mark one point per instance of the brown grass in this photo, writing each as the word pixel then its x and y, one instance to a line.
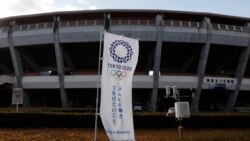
pixel 60 134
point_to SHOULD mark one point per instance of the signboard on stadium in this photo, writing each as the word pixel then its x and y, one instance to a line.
pixel 218 86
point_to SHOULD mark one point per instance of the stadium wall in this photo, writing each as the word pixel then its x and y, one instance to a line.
pixel 53 57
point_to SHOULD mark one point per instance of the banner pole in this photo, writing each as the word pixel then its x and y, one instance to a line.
pixel 17 98
pixel 98 83
pixel 17 105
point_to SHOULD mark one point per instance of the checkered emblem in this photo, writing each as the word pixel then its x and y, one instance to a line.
pixel 117 58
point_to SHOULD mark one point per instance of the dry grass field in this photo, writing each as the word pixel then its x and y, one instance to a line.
pixel 80 134
pixel 58 125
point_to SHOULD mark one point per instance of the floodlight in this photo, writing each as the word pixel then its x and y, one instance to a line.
pixel 168 91
pixel 175 91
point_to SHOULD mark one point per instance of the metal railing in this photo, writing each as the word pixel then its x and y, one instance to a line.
pixel 34 26
pixel 182 23
pixel 133 22
pixel 229 27
pixel 173 23
pixel 4 29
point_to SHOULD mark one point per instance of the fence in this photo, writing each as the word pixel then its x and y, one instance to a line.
pixel 173 23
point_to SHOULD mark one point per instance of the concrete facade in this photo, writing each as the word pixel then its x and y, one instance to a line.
pixel 160 30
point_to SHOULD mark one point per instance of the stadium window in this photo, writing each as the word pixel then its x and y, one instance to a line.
pixel 232 81
pixel 212 80
pixel 228 81
pixel 208 80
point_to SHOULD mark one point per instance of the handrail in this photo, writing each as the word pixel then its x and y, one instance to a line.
pixel 229 27
pixel 134 22
pixel 182 23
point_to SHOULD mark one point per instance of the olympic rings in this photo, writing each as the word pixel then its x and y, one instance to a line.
pixel 118 74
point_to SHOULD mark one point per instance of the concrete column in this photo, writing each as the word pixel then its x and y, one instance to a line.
pixel 17 64
pixel 239 74
pixel 60 64
pixel 106 22
pixel 157 62
pixel 202 65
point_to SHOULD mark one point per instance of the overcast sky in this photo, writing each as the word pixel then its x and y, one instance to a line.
pixel 23 7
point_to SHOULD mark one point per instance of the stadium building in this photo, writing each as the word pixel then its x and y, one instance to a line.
pixel 53 57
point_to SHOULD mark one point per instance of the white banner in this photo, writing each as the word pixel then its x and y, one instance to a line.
pixel 120 56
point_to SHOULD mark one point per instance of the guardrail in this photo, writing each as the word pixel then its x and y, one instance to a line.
pixel 173 23
pixel 133 22
pixel 182 23
pixel 229 27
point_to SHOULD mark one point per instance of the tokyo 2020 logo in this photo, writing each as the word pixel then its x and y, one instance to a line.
pixel 115 56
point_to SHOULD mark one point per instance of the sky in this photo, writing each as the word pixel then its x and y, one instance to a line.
pixel 23 7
